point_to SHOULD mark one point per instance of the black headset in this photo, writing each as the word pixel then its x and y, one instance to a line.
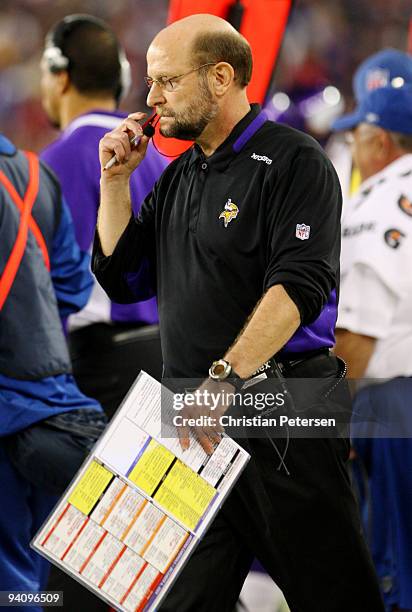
pixel 56 61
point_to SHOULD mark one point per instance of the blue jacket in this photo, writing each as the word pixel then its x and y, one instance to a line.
pixel 32 343
pixel 35 378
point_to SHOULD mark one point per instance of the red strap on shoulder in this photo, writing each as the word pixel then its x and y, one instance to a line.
pixel 19 203
pixel 25 206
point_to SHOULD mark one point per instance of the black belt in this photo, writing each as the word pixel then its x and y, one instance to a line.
pixel 288 362
pixel 282 366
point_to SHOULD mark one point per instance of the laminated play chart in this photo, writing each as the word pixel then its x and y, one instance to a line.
pixel 139 505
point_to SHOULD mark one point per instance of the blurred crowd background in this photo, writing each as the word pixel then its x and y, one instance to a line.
pixel 324 42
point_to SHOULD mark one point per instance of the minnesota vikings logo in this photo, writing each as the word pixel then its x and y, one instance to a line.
pixel 230 212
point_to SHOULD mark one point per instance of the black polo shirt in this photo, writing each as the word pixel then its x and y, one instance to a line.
pixel 217 232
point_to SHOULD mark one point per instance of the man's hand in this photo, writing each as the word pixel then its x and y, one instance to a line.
pixel 115 204
pixel 117 142
pixel 212 401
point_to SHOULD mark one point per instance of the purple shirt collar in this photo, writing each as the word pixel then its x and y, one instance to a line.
pixel 234 143
pixel 251 129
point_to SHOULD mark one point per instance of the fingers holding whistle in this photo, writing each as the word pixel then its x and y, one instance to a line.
pixel 122 149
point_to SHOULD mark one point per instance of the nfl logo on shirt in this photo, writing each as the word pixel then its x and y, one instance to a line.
pixel 302 231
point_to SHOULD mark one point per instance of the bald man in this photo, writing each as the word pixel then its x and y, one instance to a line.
pixel 240 240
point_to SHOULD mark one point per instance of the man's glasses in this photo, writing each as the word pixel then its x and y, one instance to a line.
pixel 169 83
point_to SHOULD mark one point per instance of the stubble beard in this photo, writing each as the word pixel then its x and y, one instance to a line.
pixel 189 124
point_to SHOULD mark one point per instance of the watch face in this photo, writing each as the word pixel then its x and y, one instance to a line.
pixel 220 369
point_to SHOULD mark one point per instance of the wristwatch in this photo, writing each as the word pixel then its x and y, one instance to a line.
pixel 221 371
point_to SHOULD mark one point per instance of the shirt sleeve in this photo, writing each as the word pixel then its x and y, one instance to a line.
pixel 128 275
pixel 76 165
pixel 69 267
pixel 303 215
pixel 367 304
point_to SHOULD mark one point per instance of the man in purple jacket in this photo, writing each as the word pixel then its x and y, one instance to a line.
pixel 84 74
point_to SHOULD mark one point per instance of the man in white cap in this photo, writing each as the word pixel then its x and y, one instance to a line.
pixel 386 67
pixel 374 333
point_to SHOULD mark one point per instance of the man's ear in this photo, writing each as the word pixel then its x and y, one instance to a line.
pixel 385 145
pixel 223 77
pixel 63 81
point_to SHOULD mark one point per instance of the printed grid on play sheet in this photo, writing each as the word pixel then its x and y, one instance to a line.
pixel 138 506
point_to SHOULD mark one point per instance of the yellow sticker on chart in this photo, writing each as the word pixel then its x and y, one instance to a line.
pixel 90 487
pixel 185 494
pixel 151 467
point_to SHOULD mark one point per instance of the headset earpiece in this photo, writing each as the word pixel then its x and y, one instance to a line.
pixel 57 61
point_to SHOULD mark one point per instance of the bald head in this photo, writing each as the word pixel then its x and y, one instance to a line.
pixel 202 39
pixel 189 27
